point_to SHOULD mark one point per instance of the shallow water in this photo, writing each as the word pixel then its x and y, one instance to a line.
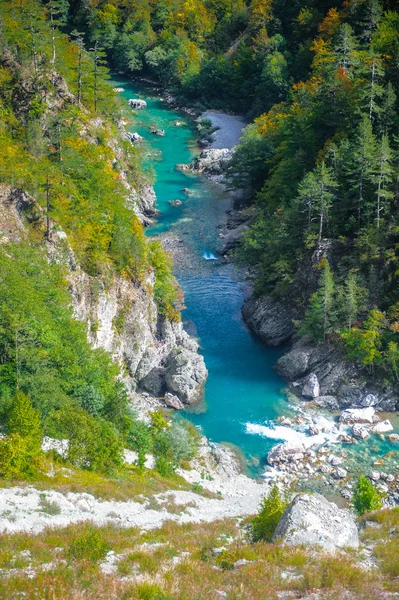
pixel 243 392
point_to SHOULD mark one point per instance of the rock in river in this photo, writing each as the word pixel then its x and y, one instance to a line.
pixel 382 427
pixel 312 520
pixel 173 401
pixel 359 431
pixel 358 415
pixel 185 374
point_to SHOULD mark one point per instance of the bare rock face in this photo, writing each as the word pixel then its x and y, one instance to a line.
pixel 311 520
pixel 173 401
pixel 213 161
pixel 185 374
pixel 270 319
pixel 311 388
pixel 124 320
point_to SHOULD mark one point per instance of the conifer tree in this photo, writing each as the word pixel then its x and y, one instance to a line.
pixel 383 176
pixel 352 299
pixel 317 192
pixel 361 165
pixel 320 316
pixel 271 510
pixel 25 421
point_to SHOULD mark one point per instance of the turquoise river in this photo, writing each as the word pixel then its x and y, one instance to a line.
pixel 242 386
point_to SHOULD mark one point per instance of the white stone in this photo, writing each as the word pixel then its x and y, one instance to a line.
pixel 358 415
pixel 382 427
pixel 359 431
pixel 311 388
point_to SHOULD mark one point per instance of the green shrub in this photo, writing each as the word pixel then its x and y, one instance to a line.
pixel 365 496
pixel 91 399
pixel 271 510
pixel 15 459
pixel 25 421
pixel 88 546
pixel 139 439
pixel 183 443
pixel 94 444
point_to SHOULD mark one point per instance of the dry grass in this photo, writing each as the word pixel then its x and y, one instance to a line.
pixel 179 562
pixel 131 484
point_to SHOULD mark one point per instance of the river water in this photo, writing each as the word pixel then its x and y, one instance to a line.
pixel 243 394
pixel 242 386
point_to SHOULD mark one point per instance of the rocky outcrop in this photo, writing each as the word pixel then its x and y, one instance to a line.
pixel 270 319
pixel 344 383
pixel 311 388
pixel 158 355
pixel 311 520
pixel 212 162
pixel 173 401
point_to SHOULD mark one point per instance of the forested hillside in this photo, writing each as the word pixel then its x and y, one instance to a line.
pixel 68 190
pixel 321 158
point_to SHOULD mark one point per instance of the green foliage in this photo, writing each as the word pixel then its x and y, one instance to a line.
pixel 20 450
pixel 15 458
pixel 45 351
pixel 94 444
pixel 167 294
pixel 320 315
pixel 89 545
pixel 25 421
pixel 140 440
pixel 365 497
pixel 270 512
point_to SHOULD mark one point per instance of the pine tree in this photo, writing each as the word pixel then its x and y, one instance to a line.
pixel 320 316
pixel 25 421
pixel 352 299
pixel 100 71
pixel 316 193
pixel 387 116
pixel 345 47
pixel 360 167
pixel 270 512
pixel 383 176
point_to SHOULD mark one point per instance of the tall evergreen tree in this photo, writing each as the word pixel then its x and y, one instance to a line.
pixel 317 193
pixel 383 177
pixel 360 167
pixel 321 316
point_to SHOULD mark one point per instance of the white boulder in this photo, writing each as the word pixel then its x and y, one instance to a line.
pixel 382 427
pixel 358 415
pixel 313 521
pixel 311 388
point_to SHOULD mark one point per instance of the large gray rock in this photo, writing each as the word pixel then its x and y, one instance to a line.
pixel 286 452
pixel 311 388
pixel 294 364
pixel 311 520
pixel 329 402
pixel 185 374
pixel 358 415
pixel 212 162
pixel 269 319
pixel 173 401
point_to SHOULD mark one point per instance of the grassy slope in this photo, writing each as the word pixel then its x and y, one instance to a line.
pixel 178 562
